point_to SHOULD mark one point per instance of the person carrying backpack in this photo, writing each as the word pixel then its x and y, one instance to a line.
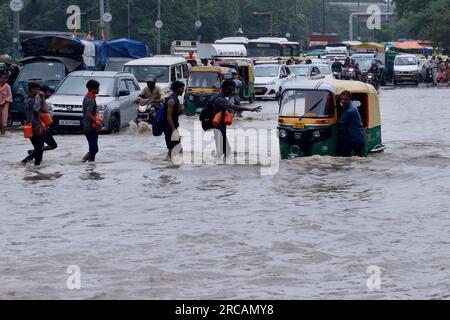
pixel 221 104
pixel 173 110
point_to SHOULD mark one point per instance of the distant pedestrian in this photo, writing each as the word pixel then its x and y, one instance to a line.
pixel 435 69
pixel 91 124
pixel 35 105
pixel 5 100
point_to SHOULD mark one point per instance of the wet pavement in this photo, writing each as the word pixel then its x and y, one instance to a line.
pixel 140 227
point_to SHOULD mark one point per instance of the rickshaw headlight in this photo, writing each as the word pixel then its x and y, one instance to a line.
pixel 316 134
pixel 283 134
pixel 191 98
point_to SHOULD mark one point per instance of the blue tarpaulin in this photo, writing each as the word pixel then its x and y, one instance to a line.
pixel 122 48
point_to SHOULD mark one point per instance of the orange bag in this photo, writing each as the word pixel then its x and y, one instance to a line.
pixel 46 119
pixel 228 121
pixel 28 131
pixel 98 118
pixel 217 120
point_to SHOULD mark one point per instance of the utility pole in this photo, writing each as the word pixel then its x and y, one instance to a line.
pixel 102 22
pixel 158 45
pixel 199 36
pixel 108 24
pixel 16 34
pixel 323 17
pixel 129 19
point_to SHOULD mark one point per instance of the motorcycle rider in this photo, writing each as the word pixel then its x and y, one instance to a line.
pixel 337 67
pixel 151 97
pixel 375 71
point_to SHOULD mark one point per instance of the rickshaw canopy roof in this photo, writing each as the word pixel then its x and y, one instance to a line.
pixel 334 86
pixel 221 70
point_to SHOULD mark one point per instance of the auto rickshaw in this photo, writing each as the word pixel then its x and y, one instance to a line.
pixel 203 83
pixel 309 114
pixel 246 72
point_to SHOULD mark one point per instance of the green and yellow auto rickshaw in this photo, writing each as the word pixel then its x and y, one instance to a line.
pixel 203 83
pixel 309 114
pixel 245 70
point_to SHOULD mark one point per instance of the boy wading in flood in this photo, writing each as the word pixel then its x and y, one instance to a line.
pixel 35 105
pixel 91 124
pixel 48 135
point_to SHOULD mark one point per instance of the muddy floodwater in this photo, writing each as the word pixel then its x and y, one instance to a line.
pixel 138 227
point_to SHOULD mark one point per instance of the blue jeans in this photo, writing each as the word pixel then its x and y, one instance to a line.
pixel 92 138
pixel 349 149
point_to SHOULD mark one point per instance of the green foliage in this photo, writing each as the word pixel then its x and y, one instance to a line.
pixel 5 22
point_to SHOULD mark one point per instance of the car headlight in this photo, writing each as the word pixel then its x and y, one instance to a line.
pixel 271 83
pixel 102 108
pixel 283 134
pixel 50 106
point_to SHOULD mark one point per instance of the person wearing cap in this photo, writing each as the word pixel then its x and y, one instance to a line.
pixel 152 95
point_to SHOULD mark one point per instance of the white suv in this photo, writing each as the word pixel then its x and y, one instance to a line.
pixel 117 100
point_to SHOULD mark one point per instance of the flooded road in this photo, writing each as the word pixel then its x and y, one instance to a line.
pixel 141 228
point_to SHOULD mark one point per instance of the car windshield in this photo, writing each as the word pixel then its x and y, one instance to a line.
pixel 364 63
pixel 307 104
pixel 263 50
pixel 76 86
pixel 324 69
pixel 142 73
pixel 406 61
pixel 300 71
pixel 204 80
pixel 42 71
pixel 115 66
pixel 266 71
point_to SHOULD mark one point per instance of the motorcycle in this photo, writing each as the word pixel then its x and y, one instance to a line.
pixel 147 110
pixel 337 75
pixel 349 74
pixel 372 79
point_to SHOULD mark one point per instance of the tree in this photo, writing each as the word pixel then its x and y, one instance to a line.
pixel 5 22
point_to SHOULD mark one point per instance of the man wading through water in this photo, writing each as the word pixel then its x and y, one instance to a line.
pixel 222 104
pixel 174 110
pixel 90 123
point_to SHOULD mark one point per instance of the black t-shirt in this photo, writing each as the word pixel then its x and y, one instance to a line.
pixel 176 112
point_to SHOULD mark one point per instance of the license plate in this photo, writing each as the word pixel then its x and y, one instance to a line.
pixel 70 123
pixel 258 90
pixel 406 78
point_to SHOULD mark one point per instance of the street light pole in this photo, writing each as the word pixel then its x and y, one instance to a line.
pixel 102 13
pixel 16 34
pixel 129 19
pixel 158 45
pixel 108 24
pixel 323 16
pixel 199 36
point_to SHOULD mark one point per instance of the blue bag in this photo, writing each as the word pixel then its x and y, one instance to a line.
pixel 160 121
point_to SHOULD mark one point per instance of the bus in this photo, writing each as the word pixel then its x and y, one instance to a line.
pixel 233 40
pixel 273 47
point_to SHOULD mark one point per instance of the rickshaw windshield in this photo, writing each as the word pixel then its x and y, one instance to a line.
pixel 204 80
pixel 307 104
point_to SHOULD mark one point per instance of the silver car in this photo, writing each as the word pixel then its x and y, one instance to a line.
pixel 306 72
pixel 116 101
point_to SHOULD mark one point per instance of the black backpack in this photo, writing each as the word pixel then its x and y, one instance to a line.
pixel 208 114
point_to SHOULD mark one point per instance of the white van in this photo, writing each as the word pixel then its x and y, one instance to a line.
pixel 406 69
pixel 166 69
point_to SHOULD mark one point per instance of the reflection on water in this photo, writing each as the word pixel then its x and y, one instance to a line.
pixel 139 227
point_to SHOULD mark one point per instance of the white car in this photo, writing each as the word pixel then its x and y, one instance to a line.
pixel 325 70
pixel 269 79
pixel 307 71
